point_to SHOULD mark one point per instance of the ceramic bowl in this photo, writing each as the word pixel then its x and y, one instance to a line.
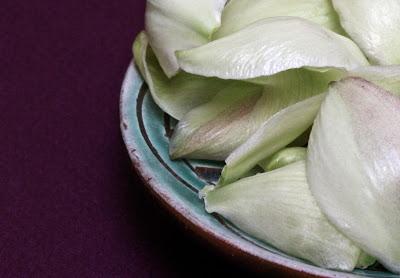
pixel 146 131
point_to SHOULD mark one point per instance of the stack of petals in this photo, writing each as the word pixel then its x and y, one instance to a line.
pixel 304 92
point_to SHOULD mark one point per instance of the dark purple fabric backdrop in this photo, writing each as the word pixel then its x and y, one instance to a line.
pixel 70 205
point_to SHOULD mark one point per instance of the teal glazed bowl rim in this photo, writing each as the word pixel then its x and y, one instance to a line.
pixel 176 184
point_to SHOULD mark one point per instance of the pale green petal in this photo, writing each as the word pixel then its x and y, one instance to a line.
pixel 180 94
pixel 365 260
pixel 388 77
pixel 139 52
pixel 277 207
pixel 180 24
pixel 284 157
pixel 214 130
pixel 354 166
pixel 374 25
pixel 270 46
pixel 274 135
pixel 240 13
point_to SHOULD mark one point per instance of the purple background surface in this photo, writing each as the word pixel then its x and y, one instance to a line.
pixel 70 205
